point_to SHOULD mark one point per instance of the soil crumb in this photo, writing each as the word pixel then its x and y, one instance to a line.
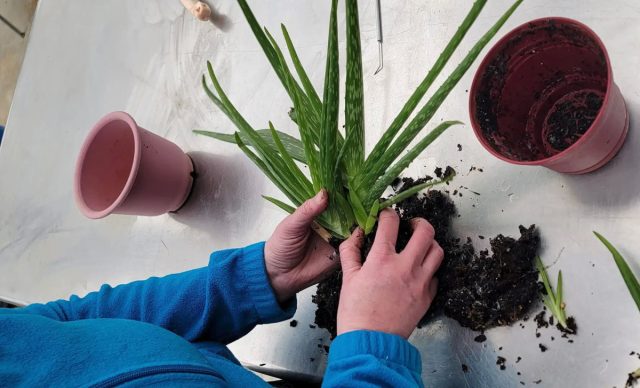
pixel 542 347
pixel 480 338
pixel 501 362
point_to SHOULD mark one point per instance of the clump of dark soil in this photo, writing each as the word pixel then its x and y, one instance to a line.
pixel 569 120
pixel 479 290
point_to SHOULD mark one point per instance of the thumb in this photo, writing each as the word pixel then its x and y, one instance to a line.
pixel 303 217
pixel 350 252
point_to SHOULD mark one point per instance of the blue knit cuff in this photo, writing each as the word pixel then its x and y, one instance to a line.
pixel 384 346
pixel 262 295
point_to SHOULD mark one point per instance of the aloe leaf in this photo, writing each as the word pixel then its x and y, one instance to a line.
pixel 354 94
pixel 428 110
pixel 302 74
pixel 293 146
pixel 426 83
pixel 392 173
pixel 559 289
pixel 271 159
pixel 266 170
pixel 358 210
pixel 287 208
pixel 401 196
pixel 629 278
pixel 545 280
pixel 372 218
pixel 329 126
pixel 293 168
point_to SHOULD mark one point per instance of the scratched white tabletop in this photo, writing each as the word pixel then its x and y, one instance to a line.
pixel 86 58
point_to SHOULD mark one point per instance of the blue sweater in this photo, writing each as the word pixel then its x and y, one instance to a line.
pixel 173 330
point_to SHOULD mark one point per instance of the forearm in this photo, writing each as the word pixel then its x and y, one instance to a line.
pixel 375 359
pixel 220 302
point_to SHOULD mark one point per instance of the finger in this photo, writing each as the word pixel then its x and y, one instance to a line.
pixel 420 242
pixel 320 261
pixel 433 288
pixel 387 234
pixel 433 259
pixel 305 214
pixel 350 252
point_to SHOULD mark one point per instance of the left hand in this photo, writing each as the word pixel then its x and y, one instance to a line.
pixel 295 256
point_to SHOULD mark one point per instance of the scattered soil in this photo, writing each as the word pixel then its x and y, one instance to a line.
pixel 479 290
pixel 480 338
pixel 293 323
pixel 465 368
pixel 501 362
pixel 542 347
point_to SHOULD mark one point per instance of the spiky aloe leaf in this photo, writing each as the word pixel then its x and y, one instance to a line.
pixel 426 83
pixel 293 146
pixel 291 165
pixel 354 94
pixel 429 109
pixel 627 275
pixel 329 126
pixel 302 73
pixel 392 173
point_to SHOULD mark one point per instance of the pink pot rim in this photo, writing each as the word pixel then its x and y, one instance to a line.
pixel 492 54
pixel 99 126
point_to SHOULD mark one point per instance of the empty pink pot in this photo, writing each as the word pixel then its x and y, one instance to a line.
pixel 125 169
pixel 544 95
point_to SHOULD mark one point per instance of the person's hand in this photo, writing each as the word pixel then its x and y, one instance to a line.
pixel 295 256
pixel 391 291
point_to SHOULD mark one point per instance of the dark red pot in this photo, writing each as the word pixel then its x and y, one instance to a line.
pixel 544 96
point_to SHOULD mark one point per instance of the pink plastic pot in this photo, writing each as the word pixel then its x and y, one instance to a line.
pixel 125 169
pixel 544 96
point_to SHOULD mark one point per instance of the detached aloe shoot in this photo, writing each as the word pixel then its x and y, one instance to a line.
pixel 553 300
pixel 336 160
pixel 629 278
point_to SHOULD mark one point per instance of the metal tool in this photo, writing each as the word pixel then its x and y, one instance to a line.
pixel 379 25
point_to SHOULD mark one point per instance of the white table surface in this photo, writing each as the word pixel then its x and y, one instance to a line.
pixel 86 58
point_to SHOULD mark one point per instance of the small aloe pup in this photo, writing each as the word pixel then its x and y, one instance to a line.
pixel 336 159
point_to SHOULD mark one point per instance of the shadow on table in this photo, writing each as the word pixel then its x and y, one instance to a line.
pixel 219 194
pixel 218 19
pixel 616 184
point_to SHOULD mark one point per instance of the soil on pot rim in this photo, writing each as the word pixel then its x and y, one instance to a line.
pixel 479 290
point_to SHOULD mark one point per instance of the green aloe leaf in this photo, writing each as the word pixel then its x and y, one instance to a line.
pixel 293 146
pixel 329 127
pixel 383 182
pixel 302 74
pixel 401 196
pixel 294 170
pixel 354 94
pixel 426 83
pixel 627 275
pixel 429 109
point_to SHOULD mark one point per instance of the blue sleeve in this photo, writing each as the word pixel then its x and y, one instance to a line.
pixel 220 303
pixel 372 359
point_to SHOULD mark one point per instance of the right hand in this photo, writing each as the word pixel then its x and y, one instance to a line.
pixel 391 291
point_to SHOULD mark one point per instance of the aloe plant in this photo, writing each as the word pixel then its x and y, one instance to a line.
pixel 553 300
pixel 629 278
pixel 337 161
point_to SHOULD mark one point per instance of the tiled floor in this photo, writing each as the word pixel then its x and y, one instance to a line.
pixel 19 13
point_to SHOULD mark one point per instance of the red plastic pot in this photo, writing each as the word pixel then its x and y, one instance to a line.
pixel 544 96
pixel 125 169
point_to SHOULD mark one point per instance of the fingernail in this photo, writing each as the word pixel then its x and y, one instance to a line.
pixel 320 197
